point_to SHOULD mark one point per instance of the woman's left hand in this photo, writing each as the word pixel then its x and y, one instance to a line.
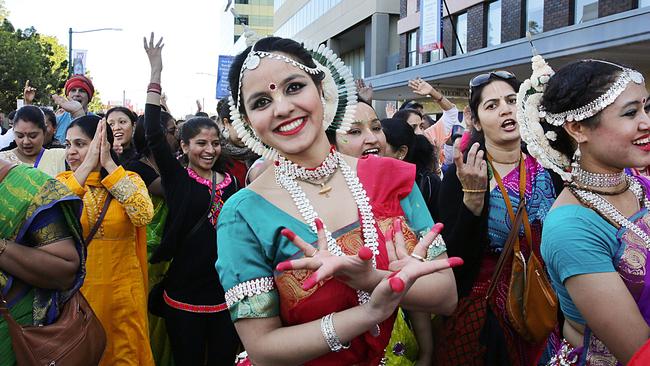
pixel 398 254
pixel 105 158
pixel 354 270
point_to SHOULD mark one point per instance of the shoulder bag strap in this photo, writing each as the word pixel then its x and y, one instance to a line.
pixel 100 218
pixel 207 212
pixel 512 242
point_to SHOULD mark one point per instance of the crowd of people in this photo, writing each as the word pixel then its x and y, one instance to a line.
pixel 296 227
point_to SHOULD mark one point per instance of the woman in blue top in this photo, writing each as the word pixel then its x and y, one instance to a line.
pixel 304 252
pixel 593 123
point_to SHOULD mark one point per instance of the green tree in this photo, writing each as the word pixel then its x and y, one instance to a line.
pixel 95 105
pixel 26 55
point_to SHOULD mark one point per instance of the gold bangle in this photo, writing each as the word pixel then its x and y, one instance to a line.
pixel 3 246
pixel 474 190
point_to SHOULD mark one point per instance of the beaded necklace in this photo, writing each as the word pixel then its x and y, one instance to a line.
pixel 286 174
pixel 610 212
pixel 217 202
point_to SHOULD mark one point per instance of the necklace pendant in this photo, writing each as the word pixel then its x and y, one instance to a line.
pixel 325 190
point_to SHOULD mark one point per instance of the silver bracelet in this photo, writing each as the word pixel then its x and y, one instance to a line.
pixel 327 328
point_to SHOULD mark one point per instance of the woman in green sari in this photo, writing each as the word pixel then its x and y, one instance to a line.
pixel 41 253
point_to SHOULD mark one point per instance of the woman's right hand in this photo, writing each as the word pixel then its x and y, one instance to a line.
pixel 472 175
pixel 154 53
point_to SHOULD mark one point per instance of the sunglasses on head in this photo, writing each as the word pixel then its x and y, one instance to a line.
pixel 481 79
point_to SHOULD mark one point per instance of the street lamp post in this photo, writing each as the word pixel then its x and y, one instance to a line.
pixel 70 31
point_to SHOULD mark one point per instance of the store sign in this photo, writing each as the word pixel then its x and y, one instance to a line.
pixel 223 90
pixel 430 25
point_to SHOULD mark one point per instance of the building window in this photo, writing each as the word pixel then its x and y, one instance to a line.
pixel 585 11
pixel 461 33
pixel 241 1
pixel 644 3
pixel 534 16
pixel 241 19
pixel 494 23
pixel 355 61
pixel 412 48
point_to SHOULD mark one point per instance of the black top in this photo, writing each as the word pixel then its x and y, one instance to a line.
pixel 465 234
pixel 146 172
pixel 127 155
pixel 429 184
pixel 192 277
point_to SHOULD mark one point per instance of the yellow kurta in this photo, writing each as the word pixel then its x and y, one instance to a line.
pixel 116 266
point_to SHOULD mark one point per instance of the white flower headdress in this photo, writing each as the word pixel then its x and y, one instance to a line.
pixel 339 93
pixel 531 115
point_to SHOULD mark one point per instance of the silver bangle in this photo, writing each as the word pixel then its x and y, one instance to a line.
pixel 329 333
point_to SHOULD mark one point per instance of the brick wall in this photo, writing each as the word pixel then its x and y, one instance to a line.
pixel 609 7
pixel 557 14
pixel 448 36
pixel 513 16
pixel 476 25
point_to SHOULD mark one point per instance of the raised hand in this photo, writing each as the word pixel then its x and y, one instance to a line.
pixel 472 175
pixel 421 87
pixel 154 53
pixel 105 158
pixel 69 105
pixel 390 109
pixel 364 91
pixel 29 93
pixel 355 270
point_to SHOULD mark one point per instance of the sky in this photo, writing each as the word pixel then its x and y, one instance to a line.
pixel 195 33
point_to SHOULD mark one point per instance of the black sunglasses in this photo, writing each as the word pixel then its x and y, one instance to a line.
pixel 481 79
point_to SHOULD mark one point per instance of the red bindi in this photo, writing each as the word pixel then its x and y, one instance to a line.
pixel 272 86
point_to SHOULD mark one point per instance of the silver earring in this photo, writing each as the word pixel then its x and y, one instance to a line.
pixel 575 161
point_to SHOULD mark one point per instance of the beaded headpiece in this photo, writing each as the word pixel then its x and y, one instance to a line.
pixel 339 93
pixel 531 115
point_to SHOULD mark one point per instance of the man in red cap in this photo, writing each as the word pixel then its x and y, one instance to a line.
pixel 79 91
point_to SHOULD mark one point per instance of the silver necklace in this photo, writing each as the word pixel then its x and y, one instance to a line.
pixel 286 173
pixel 605 208
pixel 599 180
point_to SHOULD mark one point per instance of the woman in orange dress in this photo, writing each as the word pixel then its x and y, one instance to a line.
pixel 116 278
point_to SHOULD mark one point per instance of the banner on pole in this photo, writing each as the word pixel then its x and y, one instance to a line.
pixel 222 76
pixel 430 25
pixel 79 62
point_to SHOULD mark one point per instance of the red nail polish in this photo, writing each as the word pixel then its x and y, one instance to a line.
pixel 397 226
pixel 365 253
pixel 393 274
pixel 437 228
pixel 319 224
pixel 396 284
pixel 310 282
pixel 455 261
pixel 288 234
pixel 283 266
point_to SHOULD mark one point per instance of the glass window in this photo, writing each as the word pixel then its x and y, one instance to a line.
pixel 643 3
pixel 241 19
pixel 241 1
pixel 534 16
pixel 461 32
pixel 412 48
pixel 494 24
pixel 585 11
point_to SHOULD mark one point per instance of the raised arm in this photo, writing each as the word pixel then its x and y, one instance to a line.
pixel 169 167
